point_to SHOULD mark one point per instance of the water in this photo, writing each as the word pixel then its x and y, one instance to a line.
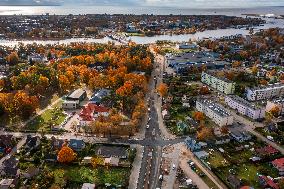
pixel 138 39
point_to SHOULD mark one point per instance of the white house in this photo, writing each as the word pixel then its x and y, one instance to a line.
pixel 72 105
pixel 244 107
pixel 268 92
pixel 215 112
pixel 279 102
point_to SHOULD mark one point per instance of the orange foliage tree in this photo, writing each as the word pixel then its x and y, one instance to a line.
pixel 198 116
pixel 66 155
pixel 205 133
pixel 162 89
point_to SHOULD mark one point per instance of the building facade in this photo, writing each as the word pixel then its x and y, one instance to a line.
pixel 271 91
pixel 244 107
pixel 221 84
pixel 215 112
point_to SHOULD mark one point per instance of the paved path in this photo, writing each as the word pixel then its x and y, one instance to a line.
pixel 171 178
pixel 14 150
pixel 192 175
pixel 249 126
pixel 136 166
pixel 205 170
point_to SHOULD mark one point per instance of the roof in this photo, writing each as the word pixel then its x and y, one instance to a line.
pixel 6 140
pixel 201 154
pixel 242 101
pixel 267 150
pixel 76 144
pixel 269 182
pixel 218 109
pixel 76 94
pixel 279 163
pixel 88 111
pixel 112 151
pixel 112 161
pixel 6 182
pixel 88 186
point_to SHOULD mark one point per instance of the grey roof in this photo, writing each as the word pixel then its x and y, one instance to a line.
pixel 269 86
pixel 218 109
pixel 244 102
pixel 201 154
pixel 112 151
pixel 76 94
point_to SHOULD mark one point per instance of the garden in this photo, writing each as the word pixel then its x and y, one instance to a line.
pixel 236 160
pixel 277 133
pixel 54 173
pixel 49 118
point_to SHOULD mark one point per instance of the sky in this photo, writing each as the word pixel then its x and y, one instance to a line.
pixel 159 3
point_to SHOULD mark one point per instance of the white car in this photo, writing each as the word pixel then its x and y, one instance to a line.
pixel 147 126
pixel 174 166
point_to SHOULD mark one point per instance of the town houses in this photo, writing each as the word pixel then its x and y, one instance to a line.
pixel 215 112
pixel 266 92
pixel 244 107
pixel 221 84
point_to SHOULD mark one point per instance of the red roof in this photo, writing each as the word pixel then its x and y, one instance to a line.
pixel 267 150
pixel 279 163
pixel 88 111
pixel 246 187
pixel 269 182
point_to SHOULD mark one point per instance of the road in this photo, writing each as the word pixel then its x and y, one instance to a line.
pixel 14 150
pixel 249 126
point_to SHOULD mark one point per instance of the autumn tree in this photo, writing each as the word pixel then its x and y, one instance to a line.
pixel 204 90
pixel 236 64
pixel 275 111
pixel 12 58
pixel 162 89
pixel 66 155
pixel 254 70
pixel 198 116
pixel 263 82
pixel 97 161
pixel 224 130
pixel 205 133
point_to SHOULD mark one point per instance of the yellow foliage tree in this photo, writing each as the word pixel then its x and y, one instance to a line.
pixel 162 89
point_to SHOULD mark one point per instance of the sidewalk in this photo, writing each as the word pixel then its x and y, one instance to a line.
pixel 135 171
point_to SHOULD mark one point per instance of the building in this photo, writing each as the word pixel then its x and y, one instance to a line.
pixel 77 95
pixel 187 46
pixel 183 61
pixel 92 111
pixel 268 92
pixel 279 165
pixel 7 183
pixel 215 112
pixel 88 186
pixel 279 102
pixel 74 99
pixel 221 84
pixel 71 105
pixel 76 145
pixel 267 182
pixel 244 107
pixel 240 136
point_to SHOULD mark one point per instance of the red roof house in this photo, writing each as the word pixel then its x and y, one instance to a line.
pixel 267 182
pixel 279 164
pixel 92 111
pixel 267 150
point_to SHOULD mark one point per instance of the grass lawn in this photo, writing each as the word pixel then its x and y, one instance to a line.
pixel 216 160
pixel 78 175
pixel 43 121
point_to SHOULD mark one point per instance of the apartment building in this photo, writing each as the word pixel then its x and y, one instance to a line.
pixel 244 107
pixel 279 102
pixel 221 84
pixel 268 92
pixel 215 112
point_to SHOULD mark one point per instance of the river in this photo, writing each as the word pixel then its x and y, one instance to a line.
pixel 271 23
